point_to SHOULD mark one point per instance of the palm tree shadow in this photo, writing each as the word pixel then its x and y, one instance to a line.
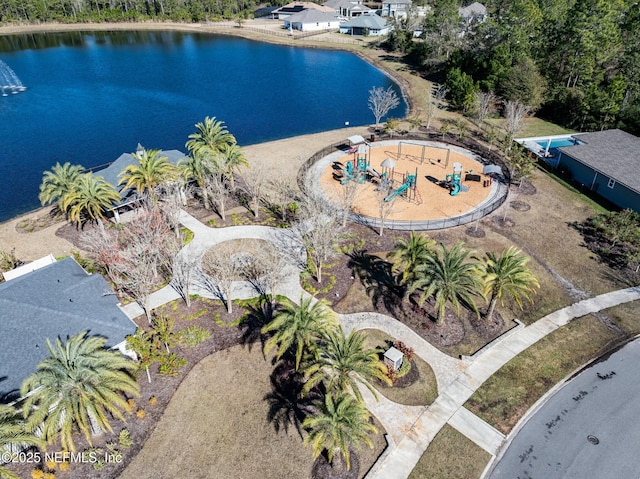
pixel 256 317
pixel 376 275
pixel 287 407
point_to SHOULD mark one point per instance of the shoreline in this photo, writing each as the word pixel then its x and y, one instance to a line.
pixel 228 28
pixel 284 155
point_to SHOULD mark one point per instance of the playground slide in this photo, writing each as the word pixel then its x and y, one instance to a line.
pixel 373 172
pixel 455 190
pixel 401 189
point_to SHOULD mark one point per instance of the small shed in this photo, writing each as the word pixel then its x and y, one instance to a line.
pixel 393 358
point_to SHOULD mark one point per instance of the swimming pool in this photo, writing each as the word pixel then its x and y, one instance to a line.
pixel 557 143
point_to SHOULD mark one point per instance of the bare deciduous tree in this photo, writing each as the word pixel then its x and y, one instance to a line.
pixel 514 113
pixel 384 207
pixel 225 264
pixel 281 193
pixel 434 97
pixel 255 184
pixel 320 231
pixel 184 273
pixel 382 101
pixel 218 191
pixel 348 195
pixel 137 257
pixel 485 104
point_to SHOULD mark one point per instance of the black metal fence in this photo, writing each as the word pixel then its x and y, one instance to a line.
pixel 496 199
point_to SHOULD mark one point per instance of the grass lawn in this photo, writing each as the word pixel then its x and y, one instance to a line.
pixel 421 393
pixel 451 456
pixel 508 394
pixel 216 426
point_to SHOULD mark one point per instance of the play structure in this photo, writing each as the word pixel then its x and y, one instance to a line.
pixel 358 168
pixel 407 189
pixel 406 176
pixel 453 181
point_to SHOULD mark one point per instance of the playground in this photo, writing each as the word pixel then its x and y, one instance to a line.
pixel 418 180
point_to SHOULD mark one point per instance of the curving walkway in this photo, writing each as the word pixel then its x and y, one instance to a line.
pixel 410 428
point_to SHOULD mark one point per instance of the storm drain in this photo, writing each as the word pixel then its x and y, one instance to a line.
pixel 593 439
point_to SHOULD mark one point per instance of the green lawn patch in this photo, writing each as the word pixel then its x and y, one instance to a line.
pixel 451 456
pixel 421 393
pixel 505 397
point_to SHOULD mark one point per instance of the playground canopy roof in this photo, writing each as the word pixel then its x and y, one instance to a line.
pixel 356 139
pixel 388 163
pixel 487 170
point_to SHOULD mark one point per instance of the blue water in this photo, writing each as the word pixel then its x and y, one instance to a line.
pixel 93 96
pixel 558 143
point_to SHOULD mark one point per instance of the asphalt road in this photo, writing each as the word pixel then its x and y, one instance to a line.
pixel 589 429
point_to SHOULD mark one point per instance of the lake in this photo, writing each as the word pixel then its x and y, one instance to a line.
pixel 93 95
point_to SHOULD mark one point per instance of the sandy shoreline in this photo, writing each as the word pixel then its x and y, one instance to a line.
pixel 281 156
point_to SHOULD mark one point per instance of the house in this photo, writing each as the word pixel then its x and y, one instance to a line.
pixel 366 25
pixel 395 8
pixel 476 12
pixel 112 172
pixel 296 7
pixel 606 162
pixel 55 301
pixel 348 8
pixel 312 20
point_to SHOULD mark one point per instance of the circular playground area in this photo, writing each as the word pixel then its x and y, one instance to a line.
pixel 413 181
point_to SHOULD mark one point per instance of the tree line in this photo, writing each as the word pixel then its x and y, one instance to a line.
pixel 574 62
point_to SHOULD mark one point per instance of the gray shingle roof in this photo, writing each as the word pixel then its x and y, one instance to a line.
pixel 59 300
pixel 312 16
pixel 372 22
pixel 475 8
pixel 613 153
pixel 110 174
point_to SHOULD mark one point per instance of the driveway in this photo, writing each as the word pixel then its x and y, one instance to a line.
pixel 589 428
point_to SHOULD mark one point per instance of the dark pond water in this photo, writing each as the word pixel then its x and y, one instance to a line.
pixel 93 95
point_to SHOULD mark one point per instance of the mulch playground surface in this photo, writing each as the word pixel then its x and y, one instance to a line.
pixel 432 200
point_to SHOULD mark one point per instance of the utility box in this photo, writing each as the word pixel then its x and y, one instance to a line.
pixel 393 358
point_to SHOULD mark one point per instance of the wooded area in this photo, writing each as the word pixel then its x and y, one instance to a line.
pixel 575 62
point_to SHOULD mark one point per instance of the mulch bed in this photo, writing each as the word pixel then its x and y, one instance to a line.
pixel 526 188
pixel 520 205
pixel 475 232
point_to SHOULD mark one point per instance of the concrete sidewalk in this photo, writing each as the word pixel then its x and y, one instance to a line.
pixel 410 428
pixel 399 463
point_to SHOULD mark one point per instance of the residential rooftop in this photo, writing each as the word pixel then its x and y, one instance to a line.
pixel 56 301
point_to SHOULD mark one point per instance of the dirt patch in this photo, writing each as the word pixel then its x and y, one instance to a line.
pixel 475 232
pixel 520 205
pixel 526 188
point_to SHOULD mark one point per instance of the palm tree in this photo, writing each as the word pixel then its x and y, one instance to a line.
pixel 449 276
pixel 340 422
pixel 232 159
pixel 151 171
pixel 408 254
pixel 89 199
pixel 79 385
pixel 298 327
pixel 58 182
pixel 210 138
pixel 13 435
pixel 343 362
pixel 508 273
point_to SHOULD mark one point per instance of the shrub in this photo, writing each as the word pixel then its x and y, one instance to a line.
pixel 153 400
pixel 51 465
pixel 64 466
pixel 404 368
pixel 131 405
pixel 37 474
pixel 140 414
pixel 171 364
pixel 404 349
pixel 124 438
